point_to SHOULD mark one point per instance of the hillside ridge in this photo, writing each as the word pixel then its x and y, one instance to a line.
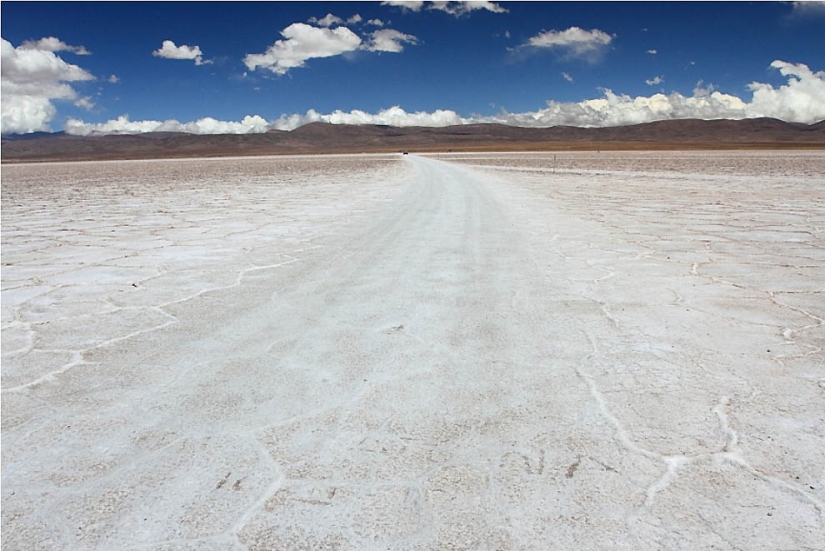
pixel 321 137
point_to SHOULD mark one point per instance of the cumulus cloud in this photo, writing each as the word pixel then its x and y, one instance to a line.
pixel 170 51
pixel 389 40
pixel 574 42
pixel 652 52
pixel 462 8
pixel 303 42
pixel 52 44
pixel 31 80
pixel 453 8
pixel 802 99
pixel 327 21
pixel 24 67
pixel 567 77
pixel 654 81
pixel 85 103
pixel 411 5
pixel 375 22
pixel 113 79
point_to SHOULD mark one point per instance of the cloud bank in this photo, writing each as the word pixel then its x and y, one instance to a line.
pixel 251 124
pixel 801 99
pixel 32 78
pixel 394 116
pixel 254 124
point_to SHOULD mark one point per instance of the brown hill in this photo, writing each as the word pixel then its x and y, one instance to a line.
pixel 330 138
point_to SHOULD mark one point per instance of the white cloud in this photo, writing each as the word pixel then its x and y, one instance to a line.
pixel 354 19
pixel 389 40
pixel 52 44
pixel 802 99
pixel 573 42
pixel 375 22
pixel 462 8
pixel 327 21
pixel 113 79
pixel 121 125
pixel 654 81
pixel 809 8
pixel 394 116
pixel 250 124
pixel 404 4
pixel 567 77
pixel 22 114
pixel 453 8
pixel 253 124
pixel 620 109
pixel 31 79
pixel 303 42
pixel 652 52
pixel 707 90
pixel 85 103
pixel 170 51
pixel 28 66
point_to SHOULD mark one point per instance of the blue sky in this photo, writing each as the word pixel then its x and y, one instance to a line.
pixel 104 67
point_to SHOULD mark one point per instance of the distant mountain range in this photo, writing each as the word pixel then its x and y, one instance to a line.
pixel 317 138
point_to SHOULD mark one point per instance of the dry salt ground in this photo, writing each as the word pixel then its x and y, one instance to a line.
pixel 498 351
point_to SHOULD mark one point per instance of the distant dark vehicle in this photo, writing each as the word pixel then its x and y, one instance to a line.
pixel 405 152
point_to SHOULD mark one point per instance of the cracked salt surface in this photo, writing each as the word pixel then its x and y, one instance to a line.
pixel 532 351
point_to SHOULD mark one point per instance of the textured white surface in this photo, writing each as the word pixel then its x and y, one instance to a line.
pixel 574 351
